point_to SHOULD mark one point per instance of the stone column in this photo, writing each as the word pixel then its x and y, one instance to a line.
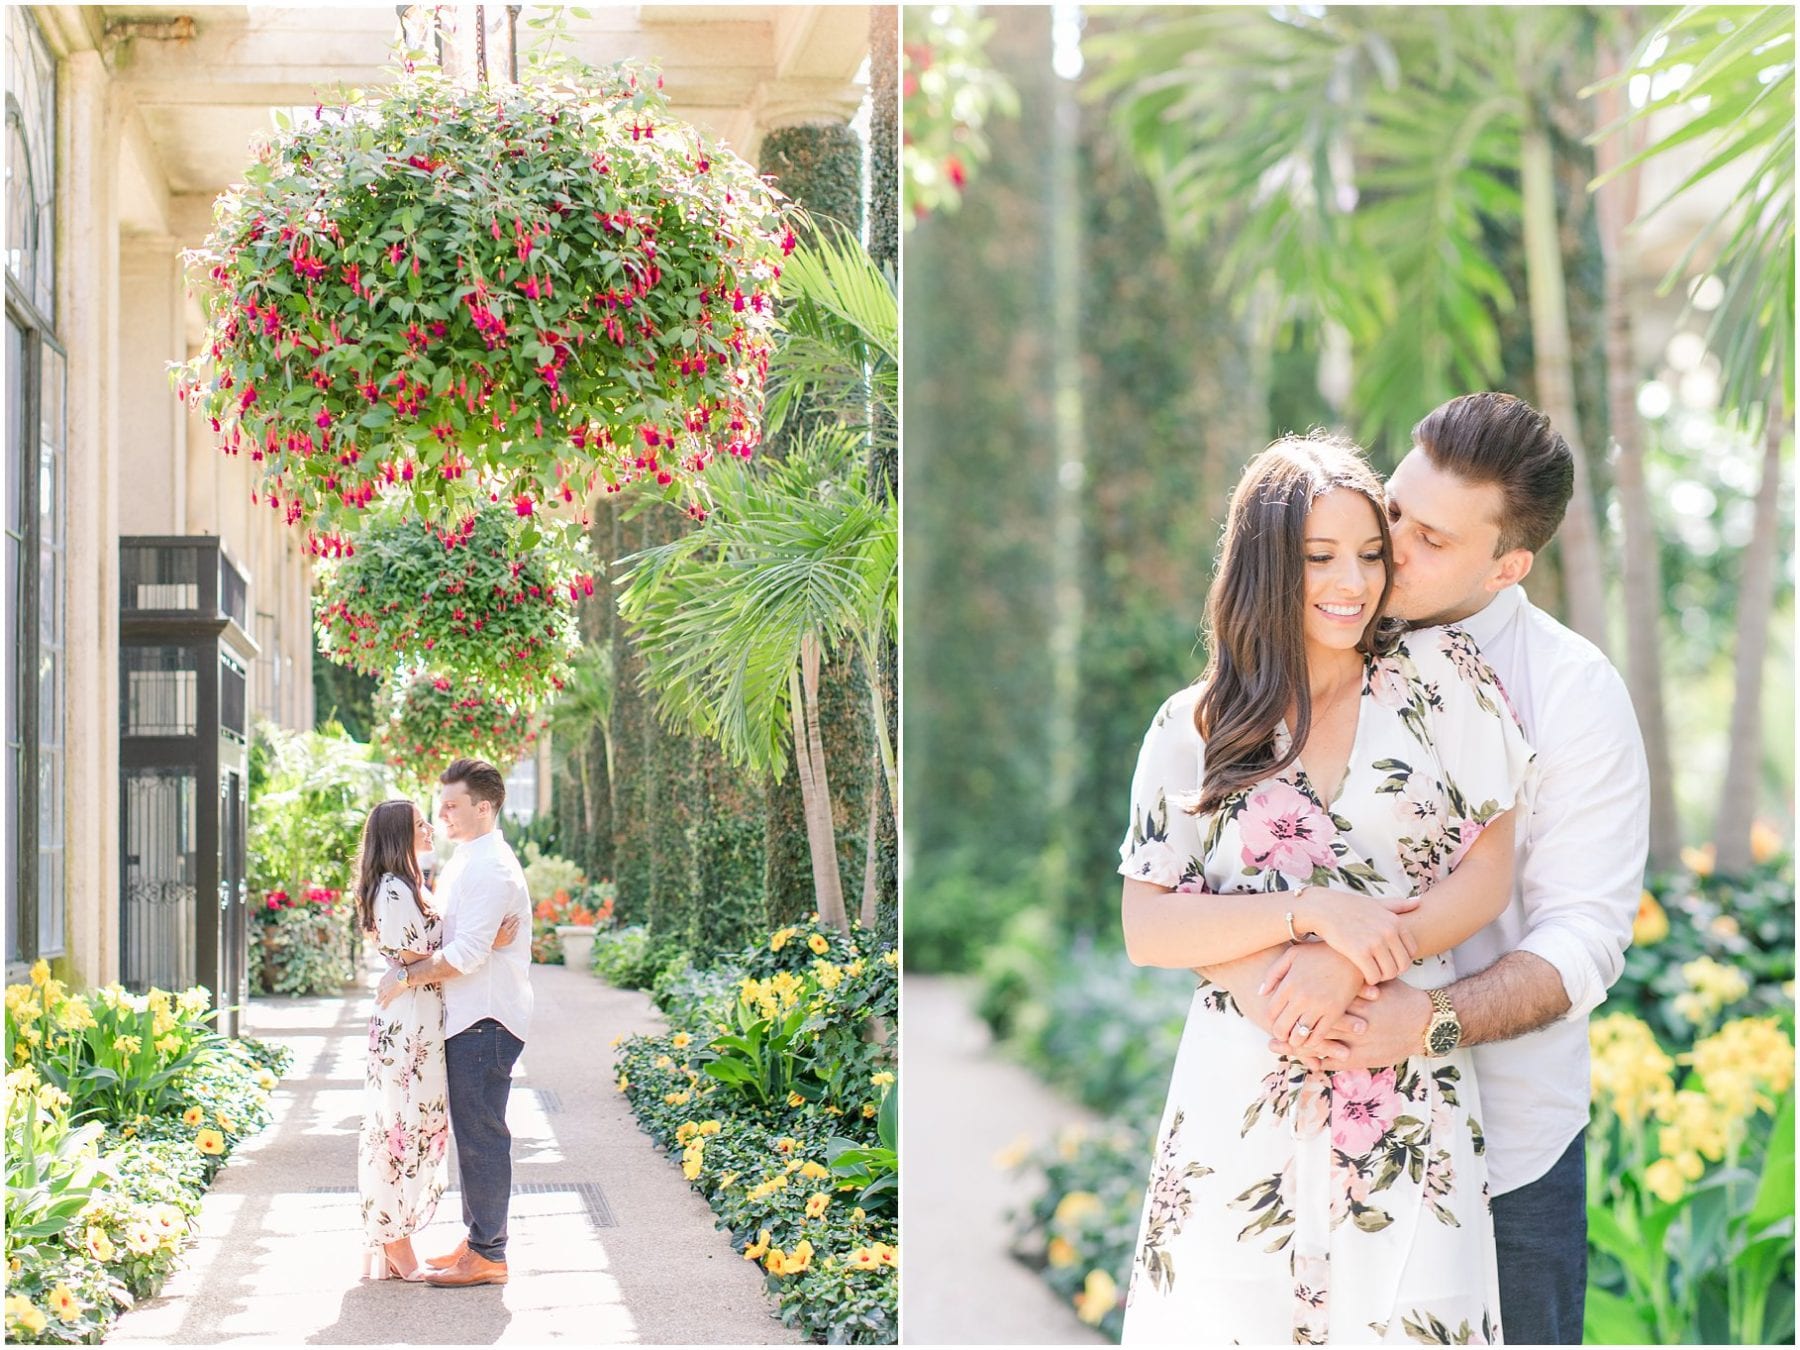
pixel 148 335
pixel 88 283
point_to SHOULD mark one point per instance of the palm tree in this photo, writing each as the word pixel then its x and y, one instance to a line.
pixel 584 706
pixel 1354 157
pixel 1732 70
pixel 734 616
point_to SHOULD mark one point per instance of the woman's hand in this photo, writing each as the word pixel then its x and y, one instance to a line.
pixel 1315 993
pixel 1364 928
pixel 508 930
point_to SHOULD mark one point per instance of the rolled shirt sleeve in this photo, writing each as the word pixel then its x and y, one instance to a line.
pixel 1582 870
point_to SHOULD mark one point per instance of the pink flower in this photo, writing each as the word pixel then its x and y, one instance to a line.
pixel 396 1140
pixel 1387 683
pixel 523 505
pixel 1283 830
pixel 1364 1106
pixel 439 1138
pixel 1465 833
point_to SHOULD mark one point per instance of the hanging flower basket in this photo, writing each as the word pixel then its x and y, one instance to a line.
pixel 433 719
pixel 473 600
pixel 448 291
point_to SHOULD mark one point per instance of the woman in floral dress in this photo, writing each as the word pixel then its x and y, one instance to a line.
pixel 401 1160
pixel 1288 1204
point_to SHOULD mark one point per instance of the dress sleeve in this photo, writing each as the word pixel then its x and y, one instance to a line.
pixel 1481 746
pixel 1162 845
pixel 399 925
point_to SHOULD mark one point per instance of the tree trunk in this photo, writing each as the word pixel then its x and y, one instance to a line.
pixel 815 792
pixel 1756 596
pixel 1553 367
pixel 1615 207
pixel 871 888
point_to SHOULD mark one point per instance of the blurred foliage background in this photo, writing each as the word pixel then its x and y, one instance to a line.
pixel 1145 241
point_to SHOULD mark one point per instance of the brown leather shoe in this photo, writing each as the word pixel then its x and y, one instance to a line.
pixel 470 1268
pixel 449 1258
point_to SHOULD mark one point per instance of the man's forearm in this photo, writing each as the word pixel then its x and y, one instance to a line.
pixel 434 969
pixel 1517 995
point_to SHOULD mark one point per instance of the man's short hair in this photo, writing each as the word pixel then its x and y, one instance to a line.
pixel 1503 440
pixel 483 780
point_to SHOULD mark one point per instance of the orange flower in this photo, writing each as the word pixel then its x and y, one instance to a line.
pixel 210 1141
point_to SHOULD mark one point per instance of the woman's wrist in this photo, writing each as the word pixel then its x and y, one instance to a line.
pixel 1305 916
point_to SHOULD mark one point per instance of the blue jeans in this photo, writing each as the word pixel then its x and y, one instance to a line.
pixel 1540 1232
pixel 479 1063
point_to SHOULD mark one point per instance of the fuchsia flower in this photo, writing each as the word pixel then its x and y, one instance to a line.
pixel 523 505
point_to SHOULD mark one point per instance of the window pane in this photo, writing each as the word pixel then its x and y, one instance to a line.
pixel 162 691
pixel 50 887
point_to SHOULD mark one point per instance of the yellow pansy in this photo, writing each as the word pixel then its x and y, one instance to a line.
pixel 193 1116
pixel 140 1239
pixel 756 1250
pixel 64 1304
pixel 710 1127
pixel 868 1110
pixel 1098 1295
pixel 99 1245
pixel 1076 1206
pixel 40 972
pixel 681 1040
pixel 818 944
pixel 663 1062
pixel 816 1204
pixel 210 1142
pixel 1652 923
pixel 882 1079
pixel 22 1312
pixel 813 1171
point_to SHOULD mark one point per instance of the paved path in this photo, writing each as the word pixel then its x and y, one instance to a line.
pixel 608 1244
pixel 963 1105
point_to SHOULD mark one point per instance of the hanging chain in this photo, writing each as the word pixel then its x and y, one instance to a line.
pixel 481 70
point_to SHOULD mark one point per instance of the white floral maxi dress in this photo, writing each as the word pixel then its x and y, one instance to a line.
pixel 401 1163
pixel 1288 1205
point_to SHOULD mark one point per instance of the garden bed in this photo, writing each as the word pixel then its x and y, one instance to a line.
pixel 774 1086
pixel 120 1109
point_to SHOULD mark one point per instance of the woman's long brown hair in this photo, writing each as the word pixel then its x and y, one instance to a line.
pixel 387 848
pixel 1256 610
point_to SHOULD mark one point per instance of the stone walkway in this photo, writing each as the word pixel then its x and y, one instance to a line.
pixel 963 1105
pixel 608 1245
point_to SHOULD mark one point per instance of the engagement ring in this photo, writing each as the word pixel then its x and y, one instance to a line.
pixel 1302 1030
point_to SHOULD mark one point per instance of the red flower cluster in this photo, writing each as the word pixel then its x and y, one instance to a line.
pixel 637 275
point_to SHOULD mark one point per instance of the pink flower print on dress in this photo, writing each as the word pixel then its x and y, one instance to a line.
pixel 1364 1106
pixel 440 1138
pixel 1388 684
pixel 396 1140
pixel 1464 833
pixel 1284 830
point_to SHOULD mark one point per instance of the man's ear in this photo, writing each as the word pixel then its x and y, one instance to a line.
pixel 1510 569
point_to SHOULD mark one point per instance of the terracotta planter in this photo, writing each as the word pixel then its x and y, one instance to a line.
pixel 577 943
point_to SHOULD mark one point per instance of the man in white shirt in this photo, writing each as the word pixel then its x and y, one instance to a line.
pixel 1482 491
pixel 487 1011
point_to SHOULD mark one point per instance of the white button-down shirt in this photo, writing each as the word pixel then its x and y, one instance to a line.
pixel 1583 830
pixel 483 883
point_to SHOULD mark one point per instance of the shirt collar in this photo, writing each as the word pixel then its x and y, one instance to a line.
pixel 486 841
pixel 1487 623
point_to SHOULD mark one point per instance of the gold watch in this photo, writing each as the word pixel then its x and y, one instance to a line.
pixel 1444 1032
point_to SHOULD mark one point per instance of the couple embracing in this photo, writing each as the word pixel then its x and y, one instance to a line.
pixel 1399 830
pixel 451 1016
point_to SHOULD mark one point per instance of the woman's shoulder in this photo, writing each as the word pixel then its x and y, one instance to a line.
pixel 1443 657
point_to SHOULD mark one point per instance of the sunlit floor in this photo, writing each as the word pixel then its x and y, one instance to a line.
pixel 607 1244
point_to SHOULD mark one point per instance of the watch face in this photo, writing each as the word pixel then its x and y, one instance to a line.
pixel 1444 1037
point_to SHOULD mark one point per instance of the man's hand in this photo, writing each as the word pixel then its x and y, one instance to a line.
pixel 390 988
pixel 1312 990
pixel 508 930
pixel 1394 1028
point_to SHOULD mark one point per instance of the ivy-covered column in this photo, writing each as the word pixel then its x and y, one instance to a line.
pixel 884 468
pixel 816 159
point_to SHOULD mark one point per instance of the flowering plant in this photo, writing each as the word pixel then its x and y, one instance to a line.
pixel 301 943
pixel 448 291
pixel 433 719
pixel 951 90
pixel 590 907
pixel 1690 1185
pixel 476 600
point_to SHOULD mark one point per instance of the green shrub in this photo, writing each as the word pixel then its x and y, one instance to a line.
pixel 627 958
